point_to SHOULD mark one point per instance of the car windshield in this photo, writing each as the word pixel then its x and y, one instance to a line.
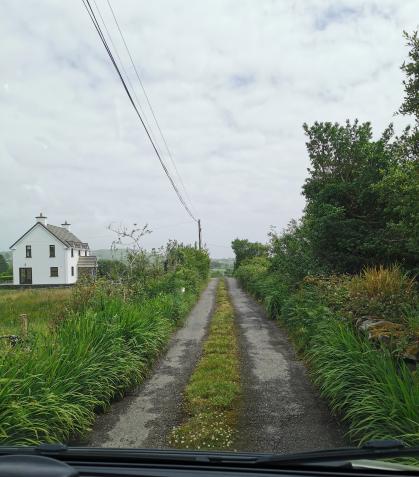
pixel 209 224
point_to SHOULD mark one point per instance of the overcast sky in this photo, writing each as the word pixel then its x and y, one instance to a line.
pixel 231 83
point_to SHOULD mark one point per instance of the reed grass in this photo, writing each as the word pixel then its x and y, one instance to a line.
pixel 51 389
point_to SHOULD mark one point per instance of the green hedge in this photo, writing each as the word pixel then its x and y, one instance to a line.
pixel 367 386
pixel 53 384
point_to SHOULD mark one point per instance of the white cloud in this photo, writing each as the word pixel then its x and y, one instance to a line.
pixel 231 82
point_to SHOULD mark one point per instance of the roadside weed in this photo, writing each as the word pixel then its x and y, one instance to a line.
pixel 213 391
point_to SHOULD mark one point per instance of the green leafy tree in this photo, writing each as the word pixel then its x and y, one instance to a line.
pixel 243 249
pixel 113 269
pixel 4 267
pixel 344 215
pixel 410 105
pixel 292 254
pixel 399 193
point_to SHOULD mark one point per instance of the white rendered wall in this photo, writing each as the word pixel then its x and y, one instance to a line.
pixel 40 240
pixel 72 262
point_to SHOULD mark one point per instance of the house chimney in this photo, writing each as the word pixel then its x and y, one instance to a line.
pixel 66 225
pixel 41 219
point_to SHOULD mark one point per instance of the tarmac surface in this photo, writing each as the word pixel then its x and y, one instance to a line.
pixel 145 417
pixel 281 410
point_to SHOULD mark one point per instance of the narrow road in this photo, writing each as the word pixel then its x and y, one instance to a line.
pixel 282 412
pixel 146 416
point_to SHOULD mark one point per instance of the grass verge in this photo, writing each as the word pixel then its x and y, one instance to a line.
pixel 367 384
pixel 212 395
pixel 52 387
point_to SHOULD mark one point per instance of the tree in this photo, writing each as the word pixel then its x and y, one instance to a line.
pixel 243 249
pixel 113 269
pixel 344 215
pixel 136 258
pixel 410 105
pixel 399 191
pixel 292 253
pixel 4 266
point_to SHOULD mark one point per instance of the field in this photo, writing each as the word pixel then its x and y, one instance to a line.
pixel 220 267
pixel 42 306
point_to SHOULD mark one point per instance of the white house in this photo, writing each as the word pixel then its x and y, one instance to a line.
pixel 50 255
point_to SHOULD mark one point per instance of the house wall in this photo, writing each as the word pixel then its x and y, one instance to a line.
pixel 72 262
pixel 40 240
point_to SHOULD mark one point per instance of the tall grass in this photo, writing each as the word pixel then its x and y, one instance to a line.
pixel 382 282
pixel 42 306
pixel 367 385
pixel 382 292
pixel 51 390
pixel 375 394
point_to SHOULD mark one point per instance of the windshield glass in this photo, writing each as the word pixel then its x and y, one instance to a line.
pixel 209 224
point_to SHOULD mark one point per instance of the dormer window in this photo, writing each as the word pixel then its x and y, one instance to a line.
pixel 52 251
pixel 28 251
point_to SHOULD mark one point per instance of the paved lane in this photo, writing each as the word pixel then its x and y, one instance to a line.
pixel 282 411
pixel 145 417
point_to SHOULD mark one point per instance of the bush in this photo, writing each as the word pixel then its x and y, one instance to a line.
pixel 381 292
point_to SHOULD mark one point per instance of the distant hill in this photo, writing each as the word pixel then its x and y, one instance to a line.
pixel 107 254
pixel 222 263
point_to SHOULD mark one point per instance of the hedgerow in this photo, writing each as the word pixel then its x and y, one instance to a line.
pixel 52 385
pixel 367 383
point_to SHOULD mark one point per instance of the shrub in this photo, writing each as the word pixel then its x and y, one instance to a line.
pixel 381 292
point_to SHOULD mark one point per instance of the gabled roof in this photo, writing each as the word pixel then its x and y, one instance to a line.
pixel 60 233
pixel 63 234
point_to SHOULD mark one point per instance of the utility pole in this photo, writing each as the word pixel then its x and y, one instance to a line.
pixel 199 234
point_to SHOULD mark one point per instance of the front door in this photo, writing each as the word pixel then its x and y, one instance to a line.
pixel 25 276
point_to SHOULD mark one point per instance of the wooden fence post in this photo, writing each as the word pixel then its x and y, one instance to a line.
pixel 24 325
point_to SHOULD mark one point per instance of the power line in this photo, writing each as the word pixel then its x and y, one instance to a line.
pixel 125 71
pixel 148 102
pixel 95 22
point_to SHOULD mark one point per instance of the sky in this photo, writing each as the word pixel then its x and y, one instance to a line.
pixel 231 83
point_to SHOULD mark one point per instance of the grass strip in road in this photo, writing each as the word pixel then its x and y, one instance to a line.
pixel 212 396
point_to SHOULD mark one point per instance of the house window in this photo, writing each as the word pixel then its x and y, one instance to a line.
pixel 79 253
pixel 28 251
pixel 52 250
pixel 85 253
pixel 53 271
pixel 72 252
pixel 72 271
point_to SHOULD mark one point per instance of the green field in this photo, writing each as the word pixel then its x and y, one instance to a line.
pixel 42 306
